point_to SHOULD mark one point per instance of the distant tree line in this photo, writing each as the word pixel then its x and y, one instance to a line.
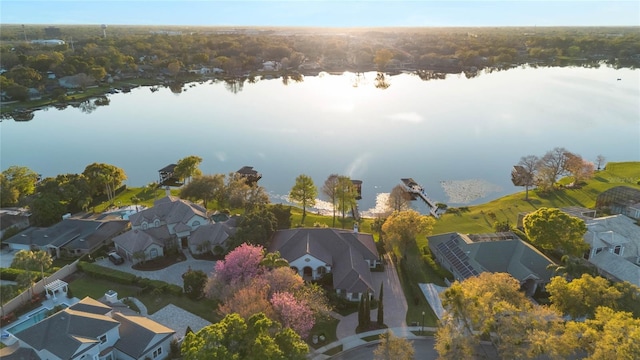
pixel 131 52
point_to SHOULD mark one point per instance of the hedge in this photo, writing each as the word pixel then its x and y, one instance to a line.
pixel 117 276
pixel 126 278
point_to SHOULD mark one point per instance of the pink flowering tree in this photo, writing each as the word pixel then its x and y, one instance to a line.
pixel 293 313
pixel 242 263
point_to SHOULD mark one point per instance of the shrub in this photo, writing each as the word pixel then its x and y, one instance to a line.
pixel 10 274
pixel 117 276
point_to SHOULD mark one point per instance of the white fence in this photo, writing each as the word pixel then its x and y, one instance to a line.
pixel 38 288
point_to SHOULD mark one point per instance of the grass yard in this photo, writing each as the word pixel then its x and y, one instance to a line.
pixel 326 327
pixel 146 195
pixel 480 218
pixel 96 288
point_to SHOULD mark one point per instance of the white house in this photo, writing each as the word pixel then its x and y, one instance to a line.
pixel 314 252
pixel 614 247
pixel 93 330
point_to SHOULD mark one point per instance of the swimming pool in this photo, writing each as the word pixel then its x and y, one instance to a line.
pixel 33 319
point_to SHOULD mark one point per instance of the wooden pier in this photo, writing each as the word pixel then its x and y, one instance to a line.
pixel 417 192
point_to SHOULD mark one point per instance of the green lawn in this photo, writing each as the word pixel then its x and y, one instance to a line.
pixel 96 288
pixel 478 218
pixel 146 195
pixel 328 328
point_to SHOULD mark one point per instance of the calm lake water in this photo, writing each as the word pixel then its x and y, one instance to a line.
pixel 457 137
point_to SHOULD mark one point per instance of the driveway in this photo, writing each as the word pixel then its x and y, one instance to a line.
pixel 171 274
pixel 395 304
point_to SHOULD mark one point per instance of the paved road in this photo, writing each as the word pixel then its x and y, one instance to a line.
pixel 423 350
pixel 395 303
pixel 171 274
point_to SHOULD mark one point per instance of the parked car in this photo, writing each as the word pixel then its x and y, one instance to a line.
pixel 115 258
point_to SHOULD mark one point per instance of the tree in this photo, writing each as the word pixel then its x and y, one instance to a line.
pixel 240 264
pixel 600 161
pixel 346 195
pixel 550 166
pixel 205 188
pixel 382 58
pixel 491 305
pixel 330 188
pixel 104 179
pixel 46 209
pixel 187 168
pixel 293 313
pixel 554 229
pixel 273 260
pixel 304 193
pixel 524 174
pixel 399 199
pixel 402 227
pixel 31 261
pixel 392 347
pixel 17 183
pixel 255 228
pixel 174 67
pixel 194 283
pixel 234 338
pixel 581 297
pixel 380 318
pixel 579 168
pixel 610 335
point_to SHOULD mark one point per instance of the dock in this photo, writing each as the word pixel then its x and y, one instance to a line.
pixel 416 191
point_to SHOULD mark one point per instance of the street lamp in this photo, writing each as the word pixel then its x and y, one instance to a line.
pixel 422 331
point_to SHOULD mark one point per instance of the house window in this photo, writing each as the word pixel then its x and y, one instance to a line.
pixel 156 223
pixel 617 250
pixel 599 250
pixel 157 353
pixel 153 253
pixel 103 339
pixel 145 226
pixel 321 270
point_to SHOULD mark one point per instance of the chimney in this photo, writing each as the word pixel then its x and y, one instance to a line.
pixel 168 191
pixel 111 296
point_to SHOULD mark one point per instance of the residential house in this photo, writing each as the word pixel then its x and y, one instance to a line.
pixel 210 237
pixel 313 252
pixel 93 330
pixel 179 216
pixel 170 222
pixel 620 200
pixel 614 243
pixel 138 245
pixel 13 218
pixel 469 255
pixel 72 235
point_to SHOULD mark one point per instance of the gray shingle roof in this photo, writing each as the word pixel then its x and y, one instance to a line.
pixel 216 234
pixel 137 240
pixel 66 332
pixel 91 306
pixel 139 334
pixel 344 250
pixel 169 209
pixel 497 252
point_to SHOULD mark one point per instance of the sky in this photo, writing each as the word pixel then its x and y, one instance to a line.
pixel 323 13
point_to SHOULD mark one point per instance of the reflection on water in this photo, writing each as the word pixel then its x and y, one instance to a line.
pixel 456 136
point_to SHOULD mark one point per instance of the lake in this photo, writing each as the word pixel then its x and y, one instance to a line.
pixel 457 137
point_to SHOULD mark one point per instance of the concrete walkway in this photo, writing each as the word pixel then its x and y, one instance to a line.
pixel 395 303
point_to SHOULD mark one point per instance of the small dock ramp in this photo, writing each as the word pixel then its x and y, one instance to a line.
pixel 417 192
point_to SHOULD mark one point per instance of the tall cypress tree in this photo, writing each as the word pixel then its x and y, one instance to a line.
pixel 380 307
pixel 361 313
pixel 367 310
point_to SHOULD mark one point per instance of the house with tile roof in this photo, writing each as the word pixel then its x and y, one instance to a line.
pixel 467 255
pixel 348 255
pixel 73 236
pixel 93 330
pixel 614 247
